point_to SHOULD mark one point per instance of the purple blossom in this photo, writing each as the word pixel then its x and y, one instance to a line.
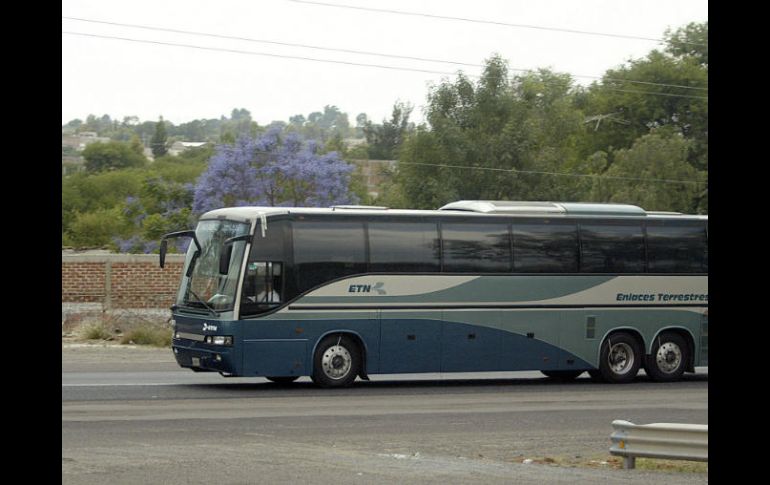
pixel 273 170
pixel 150 247
pixel 129 245
pixel 182 244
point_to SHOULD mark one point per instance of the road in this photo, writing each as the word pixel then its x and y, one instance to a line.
pixel 130 415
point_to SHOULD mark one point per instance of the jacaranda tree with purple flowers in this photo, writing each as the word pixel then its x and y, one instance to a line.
pixel 275 169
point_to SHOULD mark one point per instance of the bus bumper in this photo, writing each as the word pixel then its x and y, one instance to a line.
pixel 192 356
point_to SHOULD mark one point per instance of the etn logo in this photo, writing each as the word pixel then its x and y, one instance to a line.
pixel 378 287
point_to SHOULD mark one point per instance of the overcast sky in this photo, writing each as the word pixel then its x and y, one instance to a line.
pixel 126 78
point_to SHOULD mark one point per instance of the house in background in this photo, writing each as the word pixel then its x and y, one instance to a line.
pixel 180 146
pixel 72 145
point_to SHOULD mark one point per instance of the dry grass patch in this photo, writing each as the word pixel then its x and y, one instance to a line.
pixel 148 335
pixel 616 462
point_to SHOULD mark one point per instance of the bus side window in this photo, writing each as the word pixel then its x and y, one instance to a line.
pixel 262 285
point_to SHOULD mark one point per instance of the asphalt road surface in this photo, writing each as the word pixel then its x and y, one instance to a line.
pixel 130 415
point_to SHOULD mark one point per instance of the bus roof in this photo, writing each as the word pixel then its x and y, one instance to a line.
pixel 480 208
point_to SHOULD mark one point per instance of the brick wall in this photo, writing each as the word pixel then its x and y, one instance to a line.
pixel 120 281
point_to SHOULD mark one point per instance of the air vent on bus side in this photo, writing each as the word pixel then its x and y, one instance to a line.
pixel 524 207
pixel 503 206
pixel 360 207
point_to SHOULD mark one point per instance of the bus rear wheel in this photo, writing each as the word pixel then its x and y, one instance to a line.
pixel 337 362
pixel 668 358
pixel 620 359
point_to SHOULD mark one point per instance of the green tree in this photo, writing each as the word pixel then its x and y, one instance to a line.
pixel 654 174
pixel 619 111
pixel 136 145
pixel 97 228
pixel 493 139
pixel 159 139
pixel 111 156
pixel 385 140
pixel 691 40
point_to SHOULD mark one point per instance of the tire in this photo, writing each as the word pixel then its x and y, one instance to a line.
pixel 669 357
pixel 283 379
pixel 620 358
pixel 336 362
pixel 562 375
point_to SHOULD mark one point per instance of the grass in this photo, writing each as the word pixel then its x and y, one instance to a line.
pixel 148 335
pixel 134 331
pixel 616 462
pixel 672 465
pixel 94 331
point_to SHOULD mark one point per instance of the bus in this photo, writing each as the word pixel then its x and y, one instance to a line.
pixel 350 291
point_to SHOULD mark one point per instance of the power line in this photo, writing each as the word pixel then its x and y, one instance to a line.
pixel 358 52
pixel 489 22
pixel 349 63
pixel 236 51
pixel 561 174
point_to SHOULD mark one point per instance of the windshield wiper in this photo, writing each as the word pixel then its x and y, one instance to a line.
pixel 213 312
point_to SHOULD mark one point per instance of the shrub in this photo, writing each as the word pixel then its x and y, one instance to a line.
pixel 148 335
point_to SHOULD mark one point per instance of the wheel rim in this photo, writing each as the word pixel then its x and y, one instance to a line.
pixel 668 357
pixel 336 362
pixel 621 358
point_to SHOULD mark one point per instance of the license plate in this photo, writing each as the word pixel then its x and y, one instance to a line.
pixel 196 361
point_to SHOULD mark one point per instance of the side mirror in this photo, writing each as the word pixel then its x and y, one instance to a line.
pixel 163 249
pixel 164 243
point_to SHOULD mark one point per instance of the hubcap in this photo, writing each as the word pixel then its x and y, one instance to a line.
pixel 336 362
pixel 621 358
pixel 669 357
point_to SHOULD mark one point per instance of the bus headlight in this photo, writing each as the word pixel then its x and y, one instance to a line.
pixel 219 340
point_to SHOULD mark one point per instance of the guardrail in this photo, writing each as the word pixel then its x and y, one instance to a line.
pixel 659 440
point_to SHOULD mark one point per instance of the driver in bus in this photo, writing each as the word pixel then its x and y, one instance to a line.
pixel 268 294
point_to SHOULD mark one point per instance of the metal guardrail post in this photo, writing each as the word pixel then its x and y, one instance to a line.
pixel 659 440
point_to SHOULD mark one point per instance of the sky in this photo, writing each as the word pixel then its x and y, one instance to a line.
pixel 207 76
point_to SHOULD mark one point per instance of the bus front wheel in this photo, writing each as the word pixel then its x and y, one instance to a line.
pixel 621 358
pixel 669 357
pixel 336 362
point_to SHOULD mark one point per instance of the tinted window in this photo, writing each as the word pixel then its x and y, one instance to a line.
pixel 482 248
pixel 677 249
pixel 545 248
pixel 271 246
pixel 324 251
pixel 403 246
pixel 611 248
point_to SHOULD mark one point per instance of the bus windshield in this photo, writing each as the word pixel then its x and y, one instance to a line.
pixel 206 289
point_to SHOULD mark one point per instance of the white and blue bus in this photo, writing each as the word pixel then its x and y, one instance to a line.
pixel 350 291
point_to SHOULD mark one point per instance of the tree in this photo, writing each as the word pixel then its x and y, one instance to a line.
pixel 136 145
pixel 110 156
pixel 158 140
pixel 498 138
pixel 691 40
pixel 384 140
pixel 95 229
pixel 361 121
pixel 655 174
pixel 274 169
pixel 633 110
